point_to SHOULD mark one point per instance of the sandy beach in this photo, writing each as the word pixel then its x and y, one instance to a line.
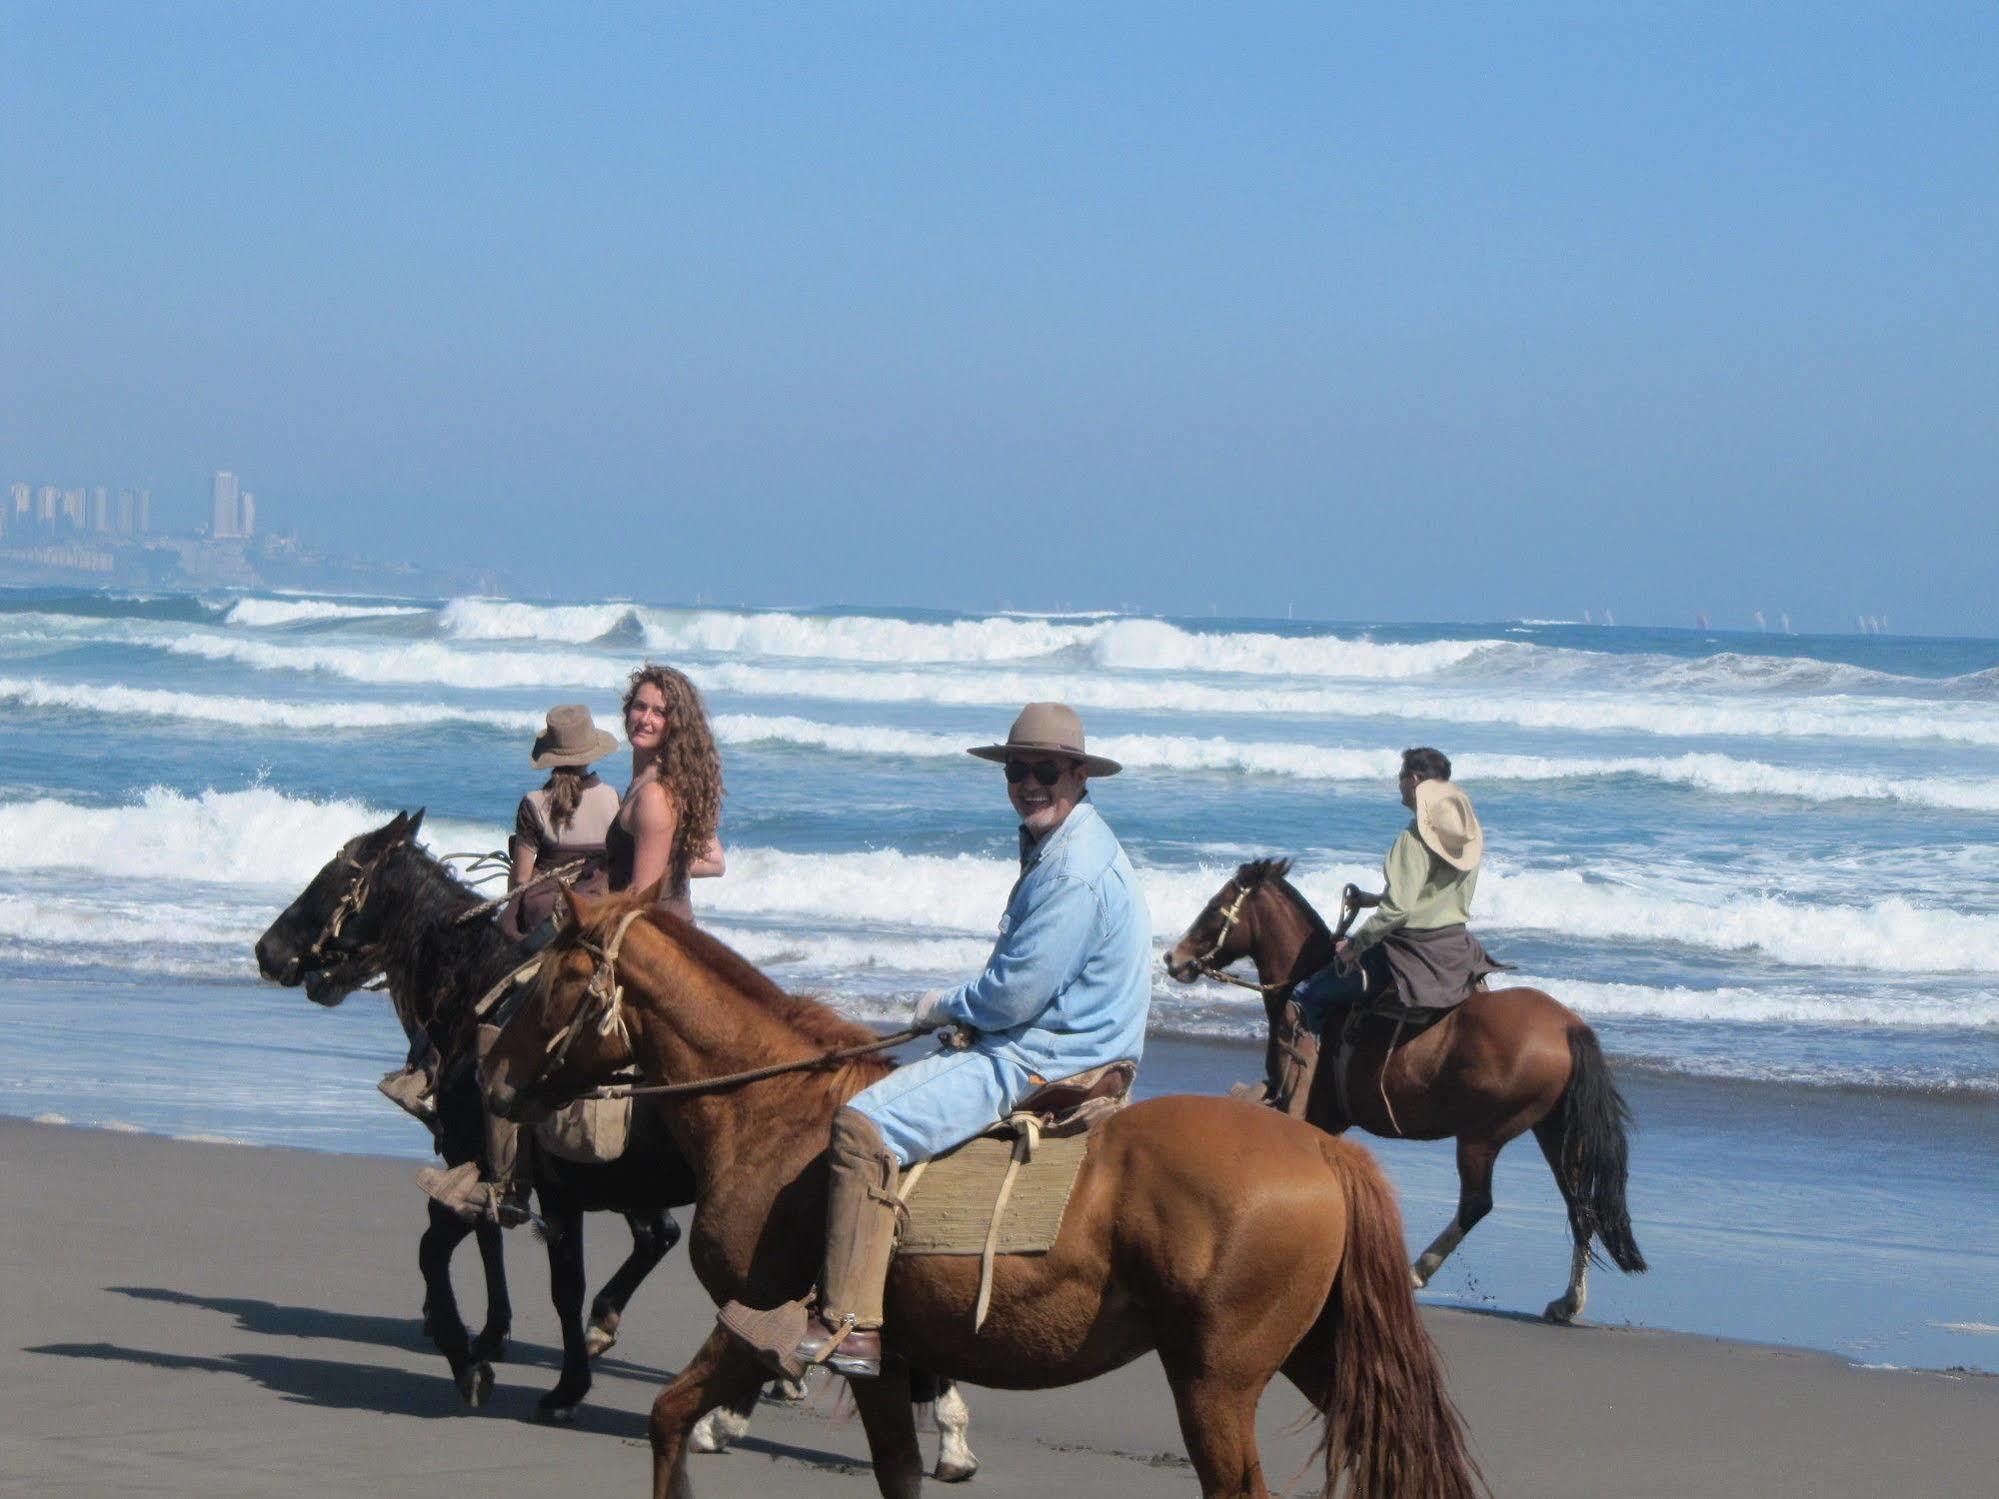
pixel 189 1318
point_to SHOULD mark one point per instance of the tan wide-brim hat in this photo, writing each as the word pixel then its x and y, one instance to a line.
pixel 1048 729
pixel 571 738
pixel 1448 826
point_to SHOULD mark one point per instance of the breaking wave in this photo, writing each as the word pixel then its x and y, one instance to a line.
pixel 1124 644
pixel 266 613
pixel 250 712
pixel 257 836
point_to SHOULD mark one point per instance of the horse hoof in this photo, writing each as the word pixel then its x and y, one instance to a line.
pixel 598 1341
pixel 1417 1280
pixel 475 1384
pixel 1561 1313
pixel 787 1392
pixel 953 1472
pixel 559 1415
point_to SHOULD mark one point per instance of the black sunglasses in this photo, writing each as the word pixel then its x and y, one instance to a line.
pixel 1047 772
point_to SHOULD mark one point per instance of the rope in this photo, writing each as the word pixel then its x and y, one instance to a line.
pixel 563 874
pixel 1029 1126
pixel 752 1075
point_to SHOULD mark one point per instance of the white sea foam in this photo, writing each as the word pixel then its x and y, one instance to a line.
pixel 1120 643
pixel 257 836
pixel 1706 772
pixel 412 663
pixel 248 712
pixel 929 892
pixel 432 662
pixel 87 922
pixel 265 613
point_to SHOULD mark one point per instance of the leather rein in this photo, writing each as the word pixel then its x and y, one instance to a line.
pixel 603 1009
pixel 1205 963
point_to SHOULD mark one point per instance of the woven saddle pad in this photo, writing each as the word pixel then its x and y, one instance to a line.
pixel 950 1202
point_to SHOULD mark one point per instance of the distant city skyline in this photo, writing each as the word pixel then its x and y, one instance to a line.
pixel 1448 315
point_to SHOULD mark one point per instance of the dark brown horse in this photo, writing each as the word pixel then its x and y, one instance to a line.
pixel 384 906
pixel 1234 1242
pixel 1503 1062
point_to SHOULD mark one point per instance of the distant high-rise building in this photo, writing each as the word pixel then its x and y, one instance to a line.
pixel 143 511
pixel 223 497
pixel 72 507
pixel 22 502
pixel 248 513
pixel 48 501
pixel 100 509
pixel 125 512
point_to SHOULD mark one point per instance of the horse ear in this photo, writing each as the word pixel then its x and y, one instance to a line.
pixel 575 903
pixel 650 895
pixel 415 822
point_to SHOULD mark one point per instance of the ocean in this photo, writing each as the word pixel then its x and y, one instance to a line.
pixel 1762 866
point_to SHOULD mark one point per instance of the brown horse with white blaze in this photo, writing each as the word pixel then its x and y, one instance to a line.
pixel 1503 1062
pixel 1236 1243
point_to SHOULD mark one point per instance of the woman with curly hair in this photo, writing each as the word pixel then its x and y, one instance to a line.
pixel 665 830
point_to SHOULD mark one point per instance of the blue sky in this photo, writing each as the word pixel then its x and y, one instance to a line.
pixel 1486 312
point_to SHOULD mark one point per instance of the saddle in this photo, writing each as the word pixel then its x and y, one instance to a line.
pixel 1005 1190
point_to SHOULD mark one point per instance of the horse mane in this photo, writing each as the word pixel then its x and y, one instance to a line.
pixel 815 1022
pixel 1274 871
pixel 435 953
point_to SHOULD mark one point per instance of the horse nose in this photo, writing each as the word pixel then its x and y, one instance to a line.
pixel 270 961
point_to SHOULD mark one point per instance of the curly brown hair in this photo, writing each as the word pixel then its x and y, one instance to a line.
pixel 690 767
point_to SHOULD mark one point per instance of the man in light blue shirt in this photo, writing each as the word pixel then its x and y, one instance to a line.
pixel 1065 990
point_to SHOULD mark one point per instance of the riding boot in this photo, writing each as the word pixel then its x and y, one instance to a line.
pixel 1295 1061
pixel 502 1197
pixel 844 1333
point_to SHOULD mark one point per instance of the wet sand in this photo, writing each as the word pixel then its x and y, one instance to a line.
pixel 184 1318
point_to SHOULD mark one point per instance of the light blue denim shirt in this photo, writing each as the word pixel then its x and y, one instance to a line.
pixel 1069 981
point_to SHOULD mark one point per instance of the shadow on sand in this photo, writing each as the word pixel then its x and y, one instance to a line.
pixel 270 1319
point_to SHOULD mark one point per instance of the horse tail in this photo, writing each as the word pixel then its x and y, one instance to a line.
pixel 1389 1426
pixel 1595 1154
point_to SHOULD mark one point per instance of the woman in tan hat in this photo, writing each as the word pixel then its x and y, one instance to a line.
pixel 563 822
pixel 665 831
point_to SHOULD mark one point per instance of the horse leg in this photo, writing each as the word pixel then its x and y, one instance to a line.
pixel 955 1460
pixel 472 1375
pixel 1553 1140
pixel 566 1287
pixel 653 1235
pixel 1475 1158
pixel 1217 1408
pixel 891 1427
pixel 491 1344
pixel 721 1370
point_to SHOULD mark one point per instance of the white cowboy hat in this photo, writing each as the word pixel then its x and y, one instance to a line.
pixel 1448 826
pixel 1048 729
pixel 571 738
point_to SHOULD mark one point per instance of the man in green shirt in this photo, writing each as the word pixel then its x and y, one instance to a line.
pixel 1415 944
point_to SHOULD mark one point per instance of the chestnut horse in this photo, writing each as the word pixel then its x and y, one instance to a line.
pixel 1503 1062
pixel 1234 1242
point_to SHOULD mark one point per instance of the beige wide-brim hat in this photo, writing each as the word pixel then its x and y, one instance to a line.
pixel 1048 729
pixel 1448 826
pixel 571 738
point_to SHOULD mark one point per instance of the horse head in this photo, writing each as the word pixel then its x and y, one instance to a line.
pixel 1225 931
pixel 569 1031
pixel 327 939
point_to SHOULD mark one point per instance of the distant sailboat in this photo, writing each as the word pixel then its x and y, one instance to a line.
pixel 1609 618
pixel 1760 623
pixel 1700 621
pixel 1787 624
pixel 1588 619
